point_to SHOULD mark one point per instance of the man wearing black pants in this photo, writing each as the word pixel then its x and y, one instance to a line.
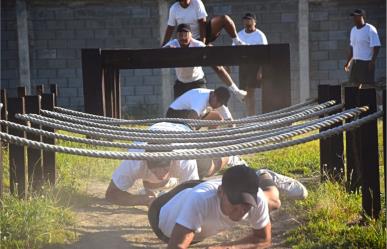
pixel 365 45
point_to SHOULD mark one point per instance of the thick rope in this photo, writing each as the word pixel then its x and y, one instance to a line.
pixel 146 137
pixel 251 147
pixel 100 124
pixel 98 117
pixel 195 122
pixel 316 124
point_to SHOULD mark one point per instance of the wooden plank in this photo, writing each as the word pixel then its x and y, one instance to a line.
pixel 370 157
pixel 117 94
pixel 109 91
pixel 93 83
pixel 352 144
pixel 35 164
pixel 17 164
pixel 49 166
pixel 39 89
pixel 276 79
pixel 21 91
pixel 184 57
pixel 325 159
pixel 336 144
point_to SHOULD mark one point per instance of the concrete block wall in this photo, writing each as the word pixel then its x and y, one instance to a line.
pixel 329 29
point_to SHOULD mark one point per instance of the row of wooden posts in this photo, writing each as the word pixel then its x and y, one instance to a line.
pixel 31 168
pixel 28 168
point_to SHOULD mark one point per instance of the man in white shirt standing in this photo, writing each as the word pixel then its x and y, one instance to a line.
pixel 250 76
pixel 193 77
pixel 193 13
pixel 155 174
pixel 365 45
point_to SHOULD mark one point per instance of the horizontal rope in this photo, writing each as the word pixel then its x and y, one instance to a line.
pixel 251 147
pixel 97 123
pixel 169 138
pixel 98 117
pixel 195 122
pixel 317 124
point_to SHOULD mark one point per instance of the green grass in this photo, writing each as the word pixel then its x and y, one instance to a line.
pixel 325 216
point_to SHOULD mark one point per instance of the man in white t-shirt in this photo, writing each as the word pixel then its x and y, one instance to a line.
pixel 193 77
pixel 193 13
pixel 194 211
pixel 250 76
pixel 155 174
pixel 207 103
pixel 365 45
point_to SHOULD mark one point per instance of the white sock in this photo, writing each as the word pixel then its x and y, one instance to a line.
pixel 233 87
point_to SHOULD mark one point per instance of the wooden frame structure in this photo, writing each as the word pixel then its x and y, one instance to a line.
pixel 101 68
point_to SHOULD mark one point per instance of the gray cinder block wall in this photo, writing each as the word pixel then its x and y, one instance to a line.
pixel 59 29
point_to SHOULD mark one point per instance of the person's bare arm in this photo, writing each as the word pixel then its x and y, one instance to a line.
pixel 374 55
pixel 223 75
pixel 181 237
pixel 257 239
pixel 349 59
pixel 119 197
pixel 202 30
pixel 168 34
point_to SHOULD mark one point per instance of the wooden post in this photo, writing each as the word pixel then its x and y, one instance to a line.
pixel 54 90
pixel 4 110
pixel 369 156
pixel 49 166
pixel 352 140
pixel 1 160
pixel 17 164
pixel 21 91
pixel 109 91
pixel 93 82
pixel 39 89
pixel 35 167
pixel 323 96
pixel 384 148
pixel 117 93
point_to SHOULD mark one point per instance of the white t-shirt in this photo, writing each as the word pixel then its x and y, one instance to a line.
pixel 190 15
pixel 188 74
pixel 198 209
pixel 131 170
pixel 256 37
pixel 198 100
pixel 363 40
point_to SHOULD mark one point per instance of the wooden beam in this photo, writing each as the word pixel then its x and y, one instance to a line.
pixel 93 82
pixel 185 57
pixel 49 166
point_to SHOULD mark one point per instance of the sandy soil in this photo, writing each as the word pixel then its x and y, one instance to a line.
pixel 101 225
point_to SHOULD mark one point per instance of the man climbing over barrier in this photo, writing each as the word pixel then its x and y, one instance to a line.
pixel 197 210
pixel 207 103
pixel 193 13
pixel 193 77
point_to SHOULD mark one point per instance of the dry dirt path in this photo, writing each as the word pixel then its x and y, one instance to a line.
pixel 101 225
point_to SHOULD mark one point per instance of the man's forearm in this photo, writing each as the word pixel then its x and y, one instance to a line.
pixel 350 55
pixel 375 53
pixel 202 30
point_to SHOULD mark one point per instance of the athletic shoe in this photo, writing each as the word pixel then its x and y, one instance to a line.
pixel 289 186
pixel 240 94
pixel 235 160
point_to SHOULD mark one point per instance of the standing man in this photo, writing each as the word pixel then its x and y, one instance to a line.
pixel 193 13
pixel 193 77
pixel 251 75
pixel 365 45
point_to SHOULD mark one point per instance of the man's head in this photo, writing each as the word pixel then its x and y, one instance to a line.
pixel 159 167
pixel 238 192
pixel 184 34
pixel 219 97
pixel 249 22
pixel 184 3
pixel 358 17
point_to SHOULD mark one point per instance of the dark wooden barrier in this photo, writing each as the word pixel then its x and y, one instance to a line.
pixel 100 68
pixel 331 149
pixel 4 110
pixel 49 165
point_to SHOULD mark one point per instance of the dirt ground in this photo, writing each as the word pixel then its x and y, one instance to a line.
pixel 101 225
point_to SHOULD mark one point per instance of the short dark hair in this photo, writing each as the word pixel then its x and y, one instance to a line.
pixel 222 94
pixel 183 28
